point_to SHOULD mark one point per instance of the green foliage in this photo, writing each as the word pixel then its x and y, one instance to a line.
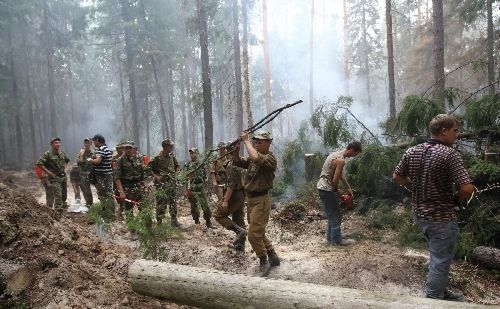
pixel 409 234
pixel 15 303
pixel 292 155
pixel 415 116
pixel 279 187
pixel 308 193
pixel 101 213
pixel 330 122
pixel 482 168
pixel 151 235
pixel 383 217
pixel 482 113
pixel 370 173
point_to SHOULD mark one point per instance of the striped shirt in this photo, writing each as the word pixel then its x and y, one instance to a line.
pixel 105 166
pixel 433 168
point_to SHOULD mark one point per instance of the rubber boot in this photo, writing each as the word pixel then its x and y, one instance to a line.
pixel 274 259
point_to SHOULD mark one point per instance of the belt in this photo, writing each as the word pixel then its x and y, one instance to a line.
pixel 255 193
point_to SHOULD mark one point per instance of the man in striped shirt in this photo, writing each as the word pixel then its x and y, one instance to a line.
pixel 430 169
pixel 103 172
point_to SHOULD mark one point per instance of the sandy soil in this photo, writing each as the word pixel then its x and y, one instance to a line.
pixel 75 268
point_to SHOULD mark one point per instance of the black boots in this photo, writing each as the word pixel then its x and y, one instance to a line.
pixel 264 267
pixel 209 224
pixel 241 233
pixel 274 260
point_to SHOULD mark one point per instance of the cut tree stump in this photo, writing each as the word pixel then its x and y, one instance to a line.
pixel 208 288
pixel 486 257
pixel 14 278
pixel 308 166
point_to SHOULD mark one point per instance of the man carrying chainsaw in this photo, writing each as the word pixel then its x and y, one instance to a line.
pixel 328 186
pixel 129 177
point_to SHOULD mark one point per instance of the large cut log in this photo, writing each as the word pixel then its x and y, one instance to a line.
pixel 208 288
pixel 486 257
pixel 308 166
pixel 14 278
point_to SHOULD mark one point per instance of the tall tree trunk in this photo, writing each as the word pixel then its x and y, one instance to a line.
pixel 311 61
pixel 267 69
pixel 491 58
pixel 122 93
pixel 205 73
pixel 163 114
pixel 390 60
pixel 184 105
pixel 245 60
pixel 146 107
pixel 366 57
pixel 72 106
pixel 438 28
pixel 15 102
pixel 29 99
pixel 50 70
pixel 170 103
pixel 237 67
pixel 129 50
pixel 191 116
pixel 346 51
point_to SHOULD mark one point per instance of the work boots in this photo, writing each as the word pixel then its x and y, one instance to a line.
pixel 238 245
pixel 274 259
pixel 264 266
pixel 209 224
pixel 241 233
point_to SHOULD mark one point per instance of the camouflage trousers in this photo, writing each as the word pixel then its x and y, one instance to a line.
pixel 104 187
pixel 56 192
pixel 87 191
pixel 165 197
pixel 196 200
pixel 258 212
pixel 235 209
pixel 133 192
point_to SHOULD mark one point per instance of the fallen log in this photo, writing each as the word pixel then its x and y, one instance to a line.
pixel 208 288
pixel 486 257
pixel 14 278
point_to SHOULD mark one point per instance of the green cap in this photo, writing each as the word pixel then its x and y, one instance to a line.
pixel 128 144
pixel 54 139
pixel 264 135
pixel 166 142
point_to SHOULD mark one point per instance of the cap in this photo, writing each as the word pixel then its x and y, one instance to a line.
pixel 99 137
pixel 221 144
pixel 87 139
pixel 263 135
pixel 128 144
pixel 54 139
pixel 193 150
pixel 167 141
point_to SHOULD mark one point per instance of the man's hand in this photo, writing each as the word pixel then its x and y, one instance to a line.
pixel 349 191
pixel 244 136
pixel 122 195
pixel 80 154
pixel 224 204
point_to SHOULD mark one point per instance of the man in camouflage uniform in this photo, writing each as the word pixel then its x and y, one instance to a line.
pixel 85 169
pixel 194 191
pixel 164 168
pixel 117 154
pixel 218 172
pixel 261 165
pixel 53 163
pixel 129 176
pixel 233 204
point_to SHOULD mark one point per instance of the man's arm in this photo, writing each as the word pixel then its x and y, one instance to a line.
pixel 252 153
pixel 346 184
pixel 339 165
pixel 402 180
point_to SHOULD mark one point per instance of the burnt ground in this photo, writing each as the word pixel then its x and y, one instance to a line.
pixel 72 267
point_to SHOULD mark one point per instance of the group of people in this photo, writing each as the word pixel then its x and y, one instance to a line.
pixel 429 170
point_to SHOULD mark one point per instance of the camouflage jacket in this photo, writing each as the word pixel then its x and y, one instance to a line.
pixel 164 166
pixel 129 170
pixel 54 162
pixel 219 168
pixel 196 179
pixel 85 167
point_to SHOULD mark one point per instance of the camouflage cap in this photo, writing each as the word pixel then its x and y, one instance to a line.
pixel 166 142
pixel 264 135
pixel 87 139
pixel 54 139
pixel 221 144
pixel 120 144
pixel 193 150
pixel 128 144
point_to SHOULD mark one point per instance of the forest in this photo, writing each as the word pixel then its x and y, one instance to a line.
pixel 200 72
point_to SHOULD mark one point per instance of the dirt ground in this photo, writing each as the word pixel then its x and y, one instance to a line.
pixel 74 268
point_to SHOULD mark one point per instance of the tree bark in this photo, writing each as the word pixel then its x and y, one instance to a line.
pixel 122 93
pixel 205 72
pixel 366 60
pixel 184 104
pixel 390 60
pixel 246 75
pixel 209 288
pixel 14 278
pixel 50 70
pixel 267 70
pixel 346 51
pixel 163 114
pixel 237 67
pixel 129 50
pixel 438 28
pixel 490 39
pixel 311 62
pixel 170 103
pixel 146 107
pixel 486 257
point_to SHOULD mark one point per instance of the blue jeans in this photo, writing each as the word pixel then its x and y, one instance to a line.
pixel 331 203
pixel 442 238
